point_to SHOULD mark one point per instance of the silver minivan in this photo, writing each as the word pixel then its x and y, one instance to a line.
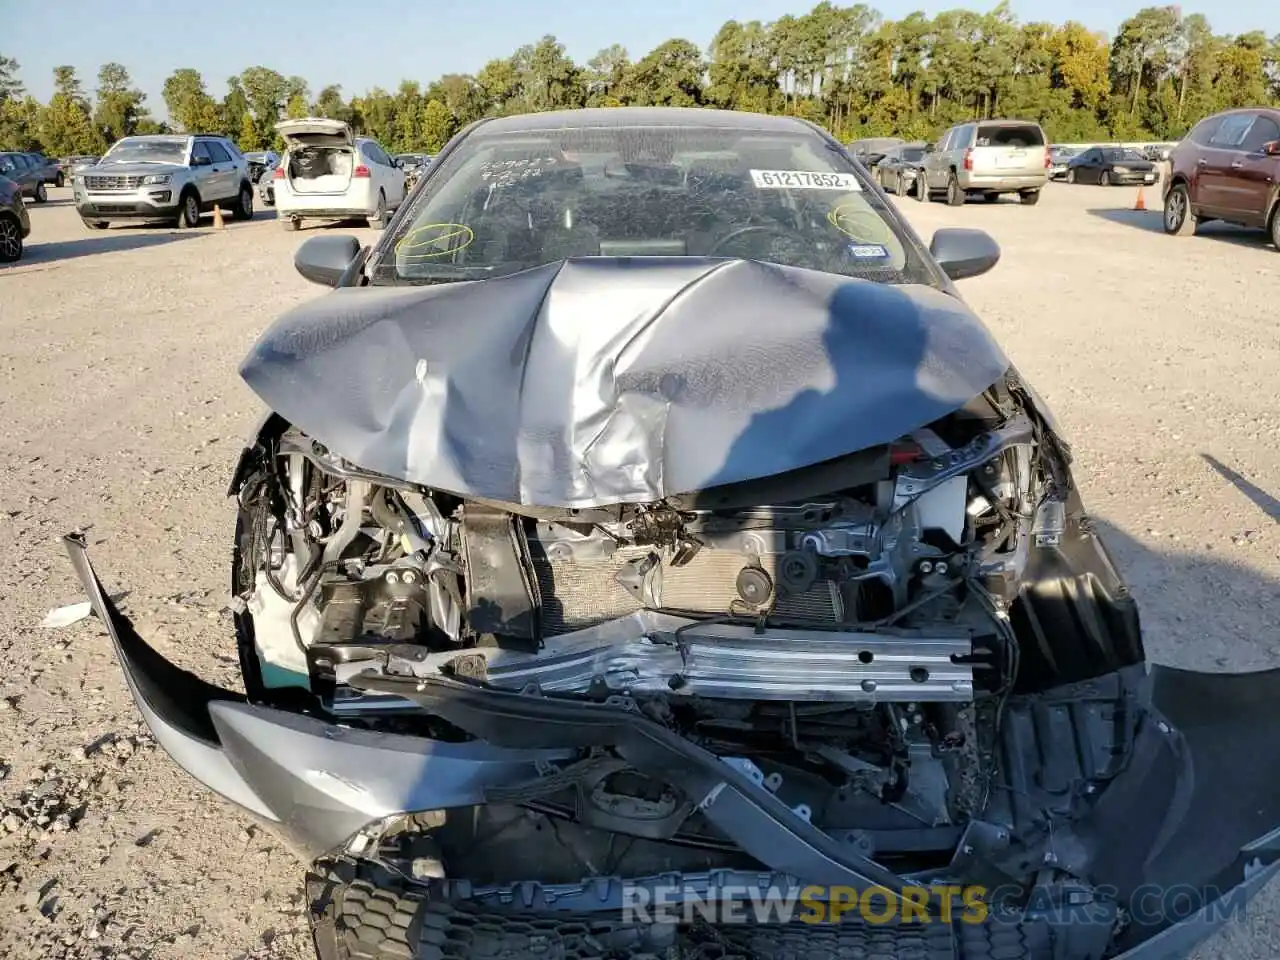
pixel 987 158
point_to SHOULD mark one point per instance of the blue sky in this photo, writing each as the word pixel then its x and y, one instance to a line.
pixel 330 41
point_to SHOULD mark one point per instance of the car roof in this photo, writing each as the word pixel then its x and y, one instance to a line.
pixel 646 116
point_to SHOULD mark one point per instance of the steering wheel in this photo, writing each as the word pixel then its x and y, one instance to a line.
pixel 769 228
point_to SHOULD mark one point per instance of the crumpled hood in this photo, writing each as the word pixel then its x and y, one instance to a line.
pixel 596 381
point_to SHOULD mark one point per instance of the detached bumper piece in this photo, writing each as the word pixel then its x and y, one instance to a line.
pixel 362 921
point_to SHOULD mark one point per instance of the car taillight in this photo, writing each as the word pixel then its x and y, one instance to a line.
pixel 968 158
pixel 278 173
pixel 361 171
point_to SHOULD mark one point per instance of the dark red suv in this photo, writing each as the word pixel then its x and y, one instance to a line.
pixel 1227 168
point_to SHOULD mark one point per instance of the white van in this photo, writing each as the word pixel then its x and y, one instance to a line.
pixel 326 173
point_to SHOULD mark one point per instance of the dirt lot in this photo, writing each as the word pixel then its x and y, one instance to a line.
pixel 121 409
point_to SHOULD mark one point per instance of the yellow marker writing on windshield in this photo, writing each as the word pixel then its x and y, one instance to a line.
pixel 434 240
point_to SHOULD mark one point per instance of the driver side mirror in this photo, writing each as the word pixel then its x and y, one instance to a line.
pixel 930 148
pixel 326 260
pixel 202 161
pixel 1272 149
pixel 962 252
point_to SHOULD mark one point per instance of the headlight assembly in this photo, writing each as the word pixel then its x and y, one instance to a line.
pixel 155 178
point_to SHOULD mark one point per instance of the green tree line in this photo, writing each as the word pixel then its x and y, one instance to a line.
pixel 847 68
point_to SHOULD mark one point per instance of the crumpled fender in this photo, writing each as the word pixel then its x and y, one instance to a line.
pixel 311 781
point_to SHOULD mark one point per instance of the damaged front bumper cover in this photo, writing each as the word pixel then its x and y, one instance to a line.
pixel 1207 791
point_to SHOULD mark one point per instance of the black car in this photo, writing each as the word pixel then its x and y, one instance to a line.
pixel 1110 165
pixel 900 167
pixel 647 530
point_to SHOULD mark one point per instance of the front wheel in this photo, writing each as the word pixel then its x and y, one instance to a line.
pixel 1275 228
pixel 900 188
pixel 955 196
pixel 244 204
pixel 1071 176
pixel 922 188
pixel 59 180
pixel 10 239
pixel 1179 219
pixel 189 211
pixel 1104 179
pixel 379 219
pixel 41 193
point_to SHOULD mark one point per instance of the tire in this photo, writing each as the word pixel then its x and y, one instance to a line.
pixel 94 224
pixel 1104 178
pixel 1029 197
pixel 1071 176
pixel 955 196
pixel 189 211
pixel 900 188
pixel 379 219
pixel 59 180
pixel 1179 219
pixel 922 188
pixel 243 210
pixel 42 195
pixel 10 239
pixel 1275 228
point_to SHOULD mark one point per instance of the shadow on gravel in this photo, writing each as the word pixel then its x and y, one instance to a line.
pixel 1201 609
pixel 57 251
pixel 1153 222
pixel 1264 501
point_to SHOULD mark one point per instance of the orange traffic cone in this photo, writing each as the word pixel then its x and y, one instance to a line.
pixel 1141 203
pixel 217 218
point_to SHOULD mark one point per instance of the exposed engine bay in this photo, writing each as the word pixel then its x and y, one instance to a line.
pixel 856 643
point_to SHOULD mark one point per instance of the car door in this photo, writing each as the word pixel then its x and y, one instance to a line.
pixel 202 170
pixel 1252 174
pixel 390 177
pixel 224 176
pixel 935 159
pixel 1087 165
pixel 1216 175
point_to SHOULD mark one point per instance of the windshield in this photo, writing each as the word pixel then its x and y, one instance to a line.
pixel 505 202
pixel 142 150
pixel 913 154
pixel 1124 155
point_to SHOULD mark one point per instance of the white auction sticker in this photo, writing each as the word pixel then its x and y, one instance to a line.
pixel 804 180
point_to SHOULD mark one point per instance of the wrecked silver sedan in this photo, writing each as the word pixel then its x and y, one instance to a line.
pixel 648 553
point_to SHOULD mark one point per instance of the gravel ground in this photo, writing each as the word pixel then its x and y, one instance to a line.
pixel 121 411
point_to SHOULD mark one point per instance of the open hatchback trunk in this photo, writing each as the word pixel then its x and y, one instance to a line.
pixel 320 154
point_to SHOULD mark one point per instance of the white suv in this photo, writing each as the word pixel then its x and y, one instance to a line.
pixel 326 173
pixel 175 177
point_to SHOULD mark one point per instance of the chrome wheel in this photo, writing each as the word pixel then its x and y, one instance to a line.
pixel 41 193
pixel 1175 211
pixel 10 240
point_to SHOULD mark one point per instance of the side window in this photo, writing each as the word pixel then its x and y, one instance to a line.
pixel 1204 131
pixel 377 154
pixel 20 162
pixel 1264 131
pixel 945 143
pixel 216 153
pixel 1231 131
pixel 198 151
